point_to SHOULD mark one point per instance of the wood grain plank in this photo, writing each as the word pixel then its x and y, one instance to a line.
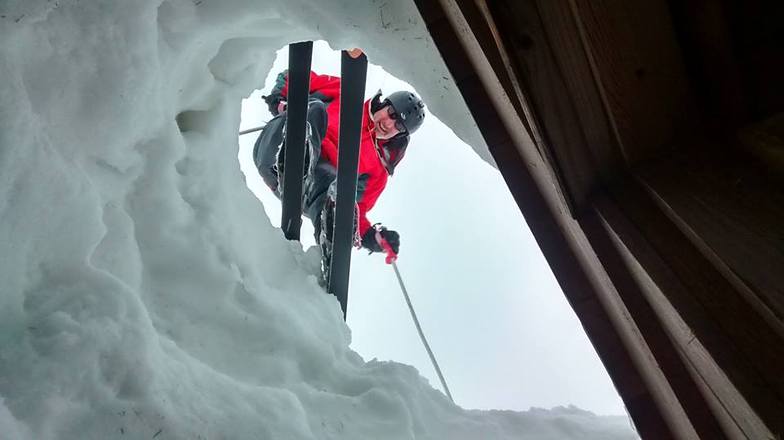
pixel 637 63
pixel 737 217
pixel 742 342
pixel 733 412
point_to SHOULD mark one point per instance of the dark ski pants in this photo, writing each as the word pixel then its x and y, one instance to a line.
pixel 320 173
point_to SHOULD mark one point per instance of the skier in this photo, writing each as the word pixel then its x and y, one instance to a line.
pixel 386 127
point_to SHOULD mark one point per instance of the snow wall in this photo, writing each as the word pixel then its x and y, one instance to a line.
pixel 144 293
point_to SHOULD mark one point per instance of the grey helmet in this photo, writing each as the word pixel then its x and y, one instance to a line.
pixel 409 108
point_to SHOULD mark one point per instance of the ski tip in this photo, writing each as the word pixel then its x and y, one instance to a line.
pixel 354 52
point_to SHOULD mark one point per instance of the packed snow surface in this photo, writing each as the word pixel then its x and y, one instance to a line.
pixel 144 292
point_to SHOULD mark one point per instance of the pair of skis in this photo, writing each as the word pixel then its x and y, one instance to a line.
pixel 352 92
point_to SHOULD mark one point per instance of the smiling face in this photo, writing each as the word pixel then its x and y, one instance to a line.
pixel 386 126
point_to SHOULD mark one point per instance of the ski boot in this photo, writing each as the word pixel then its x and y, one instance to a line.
pixel 324 235
pixel 325 230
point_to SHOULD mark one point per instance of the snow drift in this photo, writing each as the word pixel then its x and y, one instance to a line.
pixel 144 292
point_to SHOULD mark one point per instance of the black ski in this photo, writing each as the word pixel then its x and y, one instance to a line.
pixel 300 55
pixel 352 96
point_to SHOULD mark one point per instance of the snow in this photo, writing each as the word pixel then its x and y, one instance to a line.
pixel 145 293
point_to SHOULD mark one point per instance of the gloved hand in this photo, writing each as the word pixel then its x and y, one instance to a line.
pixel 275 103
pixel 369 239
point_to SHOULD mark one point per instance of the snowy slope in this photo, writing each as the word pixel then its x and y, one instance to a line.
pixel 144 292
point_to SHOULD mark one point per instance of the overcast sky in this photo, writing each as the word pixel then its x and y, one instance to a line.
pixel 496 319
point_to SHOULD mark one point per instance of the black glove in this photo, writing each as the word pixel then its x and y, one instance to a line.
pixel 369 239
pixel 272 100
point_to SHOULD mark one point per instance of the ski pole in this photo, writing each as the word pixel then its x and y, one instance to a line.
pixel 391 258
pixel 251 130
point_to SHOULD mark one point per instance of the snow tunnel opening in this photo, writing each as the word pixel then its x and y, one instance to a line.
pixel 457 219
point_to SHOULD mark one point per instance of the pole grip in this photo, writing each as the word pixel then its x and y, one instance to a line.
pixel 391 255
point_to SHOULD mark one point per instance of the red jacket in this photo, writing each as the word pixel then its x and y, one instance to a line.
pixel 371 170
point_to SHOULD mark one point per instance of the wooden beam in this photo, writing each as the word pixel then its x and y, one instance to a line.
pixel 532 184
pixel 728 406
pixel 741 340
pixel 572 94
pixel 735 215
pixel 683 384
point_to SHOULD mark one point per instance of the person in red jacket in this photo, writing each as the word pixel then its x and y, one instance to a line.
pixel 387 125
